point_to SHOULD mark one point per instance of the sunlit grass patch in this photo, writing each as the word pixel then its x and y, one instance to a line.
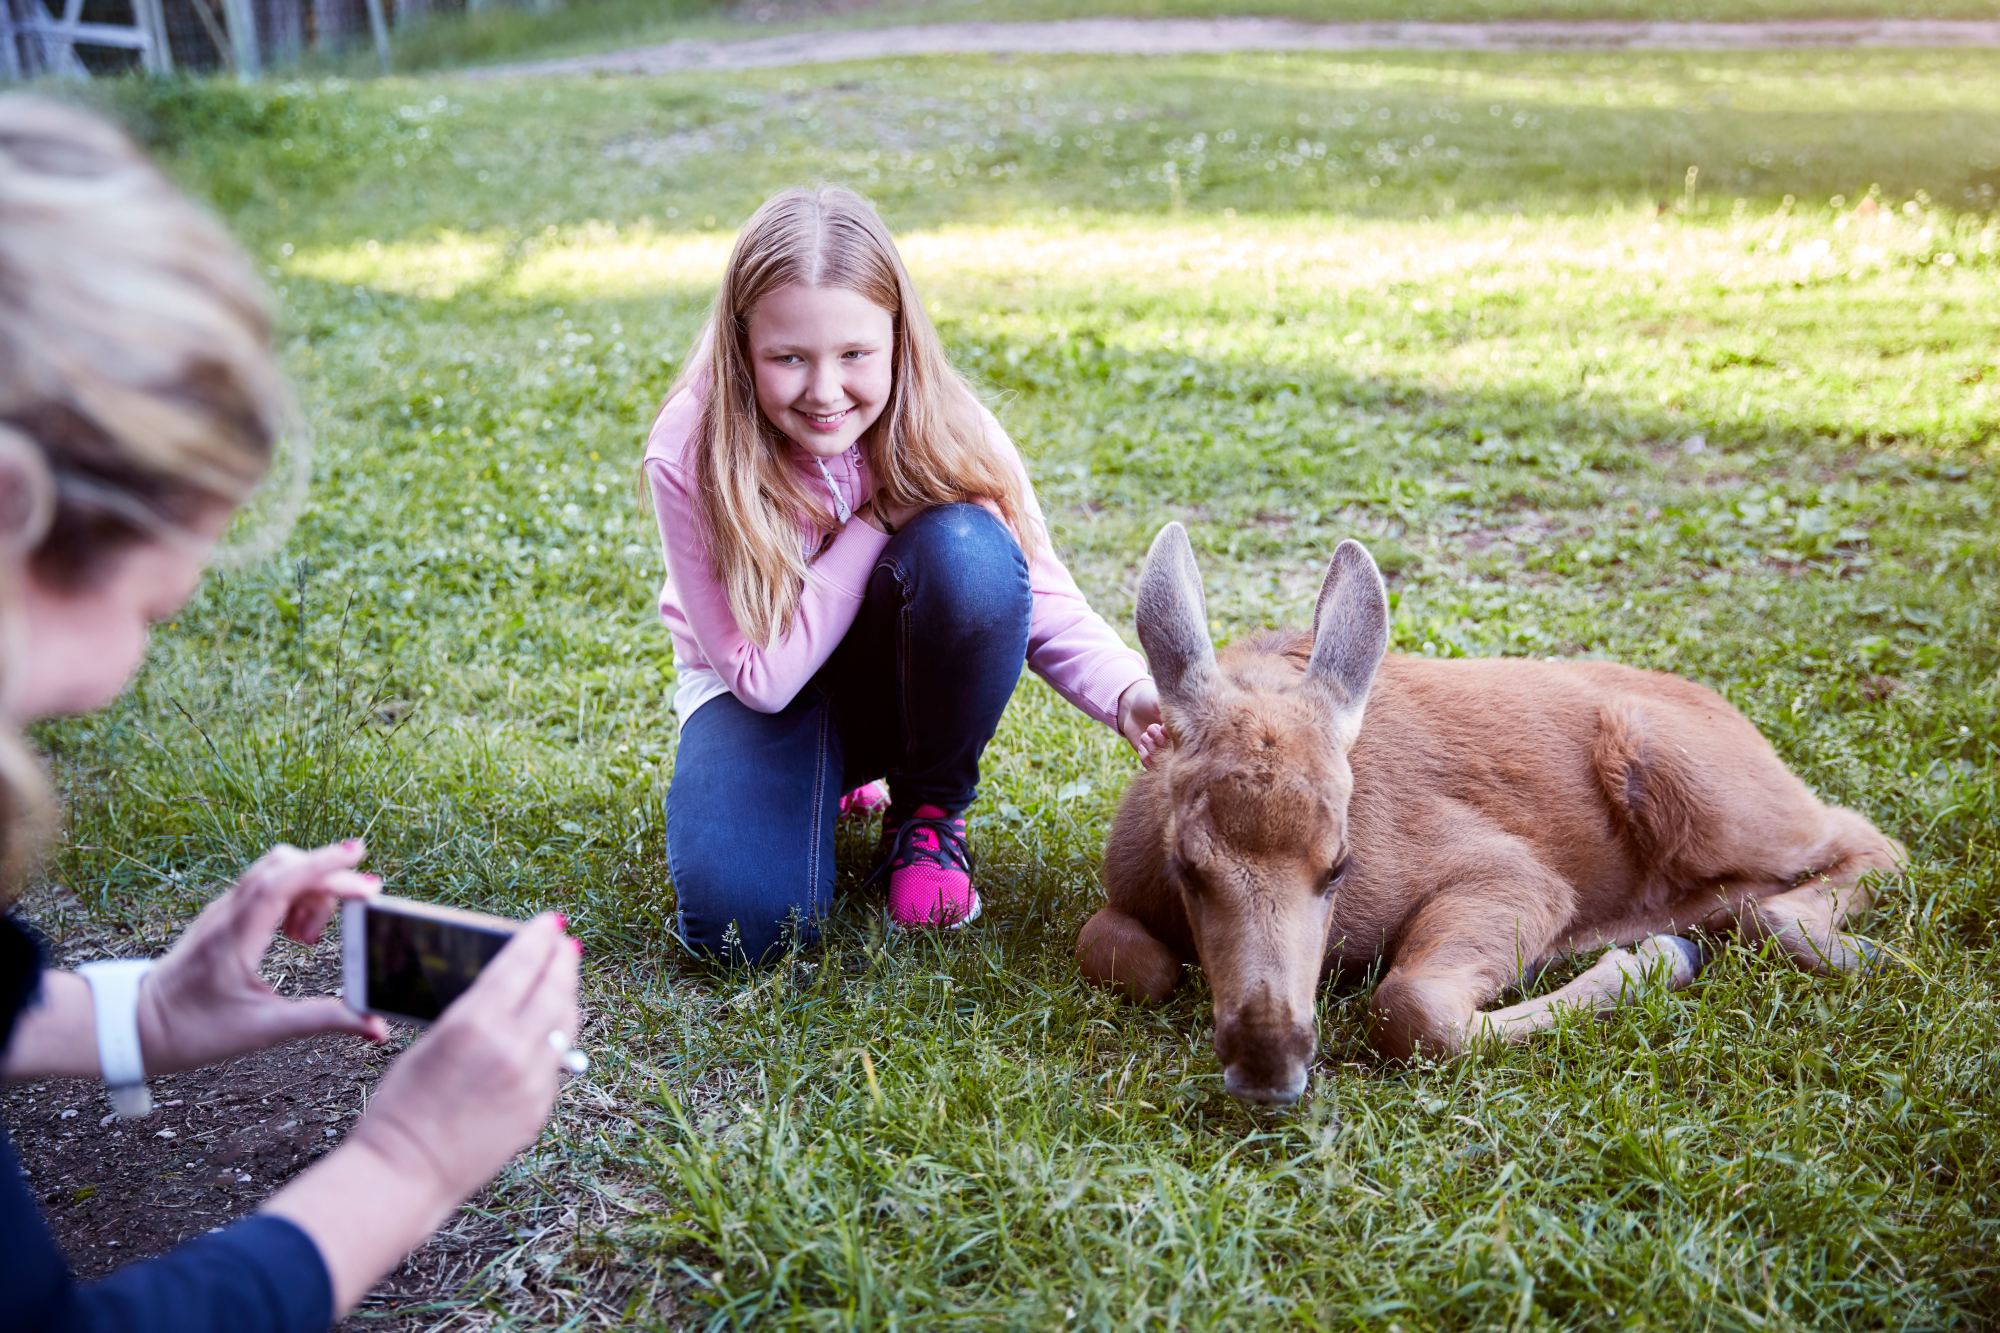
pixel 1466 300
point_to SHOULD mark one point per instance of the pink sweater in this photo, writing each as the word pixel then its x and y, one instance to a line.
pixel 1069 645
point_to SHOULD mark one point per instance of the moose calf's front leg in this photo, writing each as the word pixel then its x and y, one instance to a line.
pixel 1612 980
pixel 1438 1011
pixel 1501 910
pixel 1428 1010
pixel 1116 951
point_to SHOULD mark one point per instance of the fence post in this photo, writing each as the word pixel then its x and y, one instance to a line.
pixel 379 25
pixel 241 18
pixel 10 43
pixel 333 22
pixel 283 29
pixel 150 17
pixel 58 39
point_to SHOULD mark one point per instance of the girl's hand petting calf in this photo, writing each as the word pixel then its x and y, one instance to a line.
pixel 205 1000
pixel 1139 721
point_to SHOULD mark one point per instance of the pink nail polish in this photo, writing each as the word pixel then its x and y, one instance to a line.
pixel 562 921
pixel 579 945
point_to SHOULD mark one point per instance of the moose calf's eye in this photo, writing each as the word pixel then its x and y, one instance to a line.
pixel 1335 873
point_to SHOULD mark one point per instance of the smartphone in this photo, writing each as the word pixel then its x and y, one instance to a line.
pixel 404 959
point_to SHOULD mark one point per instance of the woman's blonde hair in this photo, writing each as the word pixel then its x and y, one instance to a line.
pixel 927 448
pixel 138 390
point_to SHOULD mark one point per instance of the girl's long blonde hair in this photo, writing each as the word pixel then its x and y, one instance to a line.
pixel 927 448
pixel 138 389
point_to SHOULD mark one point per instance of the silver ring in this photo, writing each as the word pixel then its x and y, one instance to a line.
pixel 573 1060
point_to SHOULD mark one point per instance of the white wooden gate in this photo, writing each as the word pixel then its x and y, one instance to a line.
pixel 35 41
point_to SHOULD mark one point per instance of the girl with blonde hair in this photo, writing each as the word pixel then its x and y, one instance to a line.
pixel 856 572
pixel 139 402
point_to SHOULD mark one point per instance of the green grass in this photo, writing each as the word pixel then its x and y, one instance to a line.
pixel 1576 403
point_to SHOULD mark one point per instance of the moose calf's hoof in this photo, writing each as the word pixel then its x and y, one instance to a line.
pixel 1685 957
pixel 1875 960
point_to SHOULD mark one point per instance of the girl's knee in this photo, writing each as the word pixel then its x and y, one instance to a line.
pixel 963 556
pixel 956 533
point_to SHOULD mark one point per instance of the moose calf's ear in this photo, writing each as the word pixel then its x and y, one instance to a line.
pixel 1350 631
pixel 1173 617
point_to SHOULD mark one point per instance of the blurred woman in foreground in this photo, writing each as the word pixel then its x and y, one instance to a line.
pixel 139 405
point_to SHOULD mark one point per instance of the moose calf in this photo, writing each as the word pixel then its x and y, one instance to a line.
pixel 1324 805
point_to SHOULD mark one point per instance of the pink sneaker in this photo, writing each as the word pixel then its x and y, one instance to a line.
pixel 930 872
pixel 864 801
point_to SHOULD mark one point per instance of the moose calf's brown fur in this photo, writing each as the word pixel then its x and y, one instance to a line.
pixel 1324 805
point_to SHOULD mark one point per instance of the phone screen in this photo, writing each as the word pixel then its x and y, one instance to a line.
pixel 418 965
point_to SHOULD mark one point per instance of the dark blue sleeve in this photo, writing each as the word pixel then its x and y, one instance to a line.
pixel 263 1275
pixel 259 1276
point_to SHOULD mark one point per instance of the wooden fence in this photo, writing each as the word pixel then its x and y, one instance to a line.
pixel 82 38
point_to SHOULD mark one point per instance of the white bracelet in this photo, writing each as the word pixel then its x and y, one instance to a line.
pixel 114 993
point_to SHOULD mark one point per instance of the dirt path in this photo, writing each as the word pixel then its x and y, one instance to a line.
pixel 1157 37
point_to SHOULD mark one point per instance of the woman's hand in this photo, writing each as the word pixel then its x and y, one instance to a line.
pixel 471 1093
pixel 205 1000
pixel 1139 720
pixel 475 1089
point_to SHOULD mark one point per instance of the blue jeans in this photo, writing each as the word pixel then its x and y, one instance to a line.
pixel 913 693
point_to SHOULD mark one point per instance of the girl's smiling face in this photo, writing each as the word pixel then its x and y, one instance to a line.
pixel 824 359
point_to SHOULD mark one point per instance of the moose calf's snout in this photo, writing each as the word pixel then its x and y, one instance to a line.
pixel 1264 1059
